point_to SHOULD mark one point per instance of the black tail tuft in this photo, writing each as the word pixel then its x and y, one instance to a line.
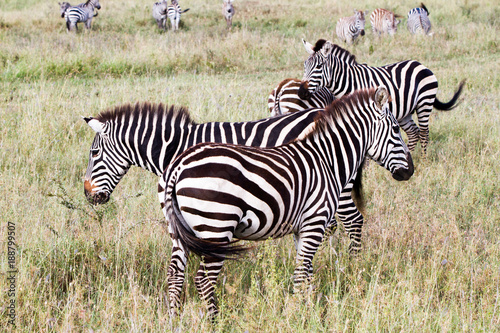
pixel 202 247
pixel 425 8
pixel 452 103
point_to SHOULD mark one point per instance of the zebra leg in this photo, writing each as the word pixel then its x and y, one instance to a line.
pixel 423 115
pixel 175 276
pixel 206 279
pixel 351 219
pixel 307 243
pixel 412 131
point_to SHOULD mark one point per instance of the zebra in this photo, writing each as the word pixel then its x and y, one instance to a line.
pixel 174 14
pixel 150 136
pixel 160 13
pixel 216 194
pixel 349 28
pixel 228 12
pixel 81 13
pixel 65 5
pixel 418 20
pixel 384 21
pixel 284 98
pixel 413 87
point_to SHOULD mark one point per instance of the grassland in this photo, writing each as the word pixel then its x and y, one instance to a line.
pixel 431 258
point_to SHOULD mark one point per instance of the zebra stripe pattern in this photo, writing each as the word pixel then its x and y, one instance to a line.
pixel 160 133
pixel 285 99
pixel 228 12
pixel 412 86
pixel 174 14
pixel 349 28
pixel 213 193
pixel 65 5
pixel 160 13
pixel 81 13
pixel 384 21
pixel 418 20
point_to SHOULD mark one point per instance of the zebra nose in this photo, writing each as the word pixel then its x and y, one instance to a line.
pixel 93 197
pixel 362 32
pixel 404 173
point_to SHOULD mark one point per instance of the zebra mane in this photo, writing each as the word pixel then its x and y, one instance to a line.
pixel 338 108
pixel 160 109
pixel 340 52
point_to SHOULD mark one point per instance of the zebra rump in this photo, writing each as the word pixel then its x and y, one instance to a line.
pixel 418 20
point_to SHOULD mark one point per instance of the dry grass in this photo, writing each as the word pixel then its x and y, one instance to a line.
pixel 431 255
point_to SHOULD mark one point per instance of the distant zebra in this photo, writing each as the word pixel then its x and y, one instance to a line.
pixel 228 12
pixel 160 14
pixel 284 98
pixel 412 86
pixel 418 20
pixel 152 135
pixel 215 194
pixel 384 21
pixel 174 14
pixel 81 13
pixel 349 28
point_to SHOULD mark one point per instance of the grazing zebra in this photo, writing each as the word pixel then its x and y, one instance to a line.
pixel 418 20
pixel 413 87
pixel 214 194
pixel 228 12
pixel 160 13
pixel 81 13
pixel 174 14
pixel 384 21
pixel 349 28
pixel 284 98
pixel 152 135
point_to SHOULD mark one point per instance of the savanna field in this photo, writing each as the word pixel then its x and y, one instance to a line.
pixel 431 246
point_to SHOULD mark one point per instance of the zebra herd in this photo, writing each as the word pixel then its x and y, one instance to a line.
pixel 85 12
pixel 383 21
pixel 290 173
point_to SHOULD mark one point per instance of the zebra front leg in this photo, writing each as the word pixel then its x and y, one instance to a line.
pixel 351 219
pixel 205 280
pixel 307 243
pixel 175 276
pixel 408 125
pixel 423 114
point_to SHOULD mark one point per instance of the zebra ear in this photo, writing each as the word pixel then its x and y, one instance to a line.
pixel 95 124
pixel 308 46
pixel 381 96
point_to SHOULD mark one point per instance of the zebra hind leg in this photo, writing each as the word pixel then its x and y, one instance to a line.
pixel 205 281
pixel 176 277
pixel 408 125
pixel 306 249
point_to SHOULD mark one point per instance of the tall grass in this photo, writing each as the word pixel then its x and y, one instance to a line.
pixel 431 256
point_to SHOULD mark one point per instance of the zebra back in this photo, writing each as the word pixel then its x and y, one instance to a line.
pixel 285 99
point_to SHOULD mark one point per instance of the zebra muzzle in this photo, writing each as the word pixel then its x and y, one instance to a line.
pixel 304 92
pixel 93 197
pixel 401 174
pixel 362 32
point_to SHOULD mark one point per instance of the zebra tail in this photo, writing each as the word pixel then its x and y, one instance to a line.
pixel 452 103
pixel 357 189
pixel 185 10
pixel 424 8
pixel 202 247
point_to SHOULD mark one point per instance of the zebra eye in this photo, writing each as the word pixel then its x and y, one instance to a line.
pixel 396 128
pixel 94 152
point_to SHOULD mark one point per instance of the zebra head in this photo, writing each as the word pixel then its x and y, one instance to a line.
pixel 107 164
pixel 315 67
pixel 64 6
pixel 386 146
pixel 360 21
pixel 95 3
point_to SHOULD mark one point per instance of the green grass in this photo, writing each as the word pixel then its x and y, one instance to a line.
pixel 431 255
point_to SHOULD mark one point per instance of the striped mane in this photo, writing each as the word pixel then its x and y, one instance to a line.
pixel 145 108
pixel 338 108
pixel 340 52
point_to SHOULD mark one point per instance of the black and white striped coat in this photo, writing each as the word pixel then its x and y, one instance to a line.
pixel 214 193
pixel 81 13
pixel 174 14
pixel 349 28
pixel 413 87
pixel 418 20
pixel 228 12
pixel 160 13
pixel 285 99
pixel 384 21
